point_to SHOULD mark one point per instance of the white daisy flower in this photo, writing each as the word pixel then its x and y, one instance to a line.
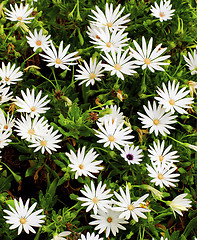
pixel 108 221
pixel 90 237
pixel 162 176
pixel 115 114
pixel 38 40
pixel 10 75
pixel 162 11
pixel 61 235
pixel 6 124
pixel 30 129
pixel 30 104
pixel 157 120
pixel 111 17
pixel 192 62
pixel 96 198
pixel 162 157
pixel 59 59
pixel 90 73
pixel 147 58
pixel 119 63
pixel 155 193
pixel 47 141
pixel 107 40
pixel 192 88
pixel 173 100
pixel 4 138
pixel 5 95
pixel 128 208
pixel 20 13
pixel 113 135
pixel 84 164
pixel 132 154
pixel 22 218
pixel 180 203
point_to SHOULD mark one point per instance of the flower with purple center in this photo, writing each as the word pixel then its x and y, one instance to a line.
pixel 132 154
pixel 129 157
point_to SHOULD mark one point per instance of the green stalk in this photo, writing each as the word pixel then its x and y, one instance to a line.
pixel 143 87
pixel 57 85
pixel 48 80
pixel 16 177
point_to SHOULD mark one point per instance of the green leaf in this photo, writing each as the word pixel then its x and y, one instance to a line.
pixel 59 163
pixel 5 183
pixel 53 187
pixel 80 37
pixel 73 196
pixel 30 171
pixel 11 203
pixel 190 227
pixel 175 235
pixel 182 170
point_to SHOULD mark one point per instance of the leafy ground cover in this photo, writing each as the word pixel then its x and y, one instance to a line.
pixel 98 117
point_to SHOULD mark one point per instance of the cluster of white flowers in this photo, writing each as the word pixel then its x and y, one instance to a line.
pixel 107 32
pixel 8 76
pixel 110 214
pixel 160 118
pixel 31 126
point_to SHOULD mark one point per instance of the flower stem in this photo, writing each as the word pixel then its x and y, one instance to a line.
pixel 143 87
pixel 175 140
pixel 48 80
pixel 29 58
pixel 38 234
pixel 57 85
pixel 16 177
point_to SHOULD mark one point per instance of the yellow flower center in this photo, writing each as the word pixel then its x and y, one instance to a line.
pixel 19 18
pixel 130 207
pixel 92 75
pixel 43 143
pixel 109 24
pixel 81 166
pixel 58 61
pixel 147 61
pixel 38 42
pixel 160 176
pixel 7 79
pixel 160 158
pixel 117 67
pixel 161 14
pixel 156 121
pixel 171 102
pixel 23 220
pixel 111 138
pixel 31 131
pixel 6 127
pixel 95 200
pixel 33 109
pixel 108 44
pixel 109 219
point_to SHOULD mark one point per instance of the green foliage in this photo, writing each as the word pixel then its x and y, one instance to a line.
pixel 74 110
pixel 48 200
